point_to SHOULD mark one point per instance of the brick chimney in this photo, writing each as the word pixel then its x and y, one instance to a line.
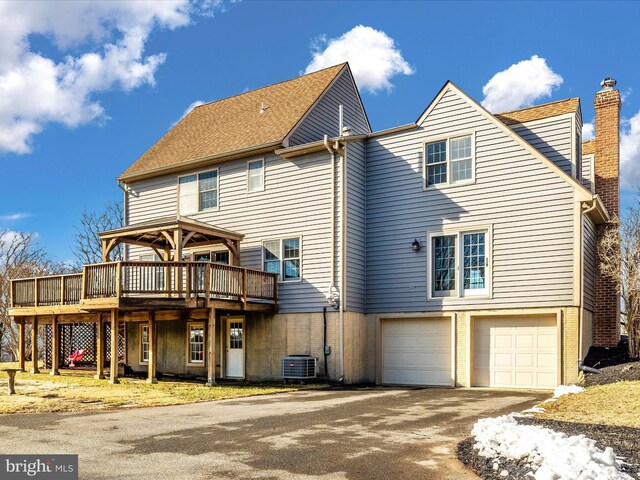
pixel 607 103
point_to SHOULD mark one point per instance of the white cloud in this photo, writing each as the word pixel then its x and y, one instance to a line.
pixel 588 131
pixel 630 153
pixel 520 85
pixel 14 216
pixel 36 89
pixel 373 57
pixel 195 104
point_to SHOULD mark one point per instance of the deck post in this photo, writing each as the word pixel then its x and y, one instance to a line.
pixel 167 271
pixel 177 257
pixel 113 370
pixel 99 350
pixel 55 346
pixel 34 345
pixel 211 348
pixel 153 337
pixel 21 345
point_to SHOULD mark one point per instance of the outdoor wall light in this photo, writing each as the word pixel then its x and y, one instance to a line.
pixel 415 246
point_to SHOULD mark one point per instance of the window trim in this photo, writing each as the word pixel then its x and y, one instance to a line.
pixel 189 363
pixel 281 239
pixel 249 162
pixel 197 174
pixel 459 292
pixel 141 359
pixel 448 139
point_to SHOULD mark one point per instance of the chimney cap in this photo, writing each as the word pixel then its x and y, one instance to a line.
pixel 608 83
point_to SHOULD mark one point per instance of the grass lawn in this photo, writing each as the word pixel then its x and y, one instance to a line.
pixel 613 404
pixel 77 390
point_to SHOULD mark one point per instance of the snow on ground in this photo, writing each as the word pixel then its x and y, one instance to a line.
pixel 566 390
pixel 550 455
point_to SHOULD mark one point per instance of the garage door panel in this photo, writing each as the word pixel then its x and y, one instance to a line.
pixel 515 352
pixel 417 352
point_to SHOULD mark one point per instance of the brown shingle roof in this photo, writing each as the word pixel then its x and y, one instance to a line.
pixel 589 147
pixel 235 123
pixel 570 105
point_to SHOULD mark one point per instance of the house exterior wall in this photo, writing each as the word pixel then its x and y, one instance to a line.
pixel 587 172
pixel 528 207
pixel 296 201
pixel 552 137
pixel 589 262
pixel 356 262
pixel 323 119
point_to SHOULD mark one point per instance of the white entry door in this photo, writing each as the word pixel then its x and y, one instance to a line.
pixel 235 347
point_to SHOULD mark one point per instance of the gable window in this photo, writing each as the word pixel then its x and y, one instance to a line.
pixel 198 192
pixel 255 176
pixel 449 161
pixel 195 344
pixel 459 264
pixel 144 343
pixel 283 257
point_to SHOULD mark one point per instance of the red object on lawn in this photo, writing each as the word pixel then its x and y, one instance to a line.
pixel 76 356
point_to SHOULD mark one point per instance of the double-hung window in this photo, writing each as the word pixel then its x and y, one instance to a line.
pixel 198 192
pixel 283 257
pixel 195 344
pixel 144 343
pixel 255 176
pixel 459 264
pixel 449 161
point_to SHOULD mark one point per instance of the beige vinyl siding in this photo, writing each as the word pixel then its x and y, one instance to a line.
pixel 551 137
pixel 324 119
pixel 529 206
pixel 296 202
pixel 587 179
pixel 589 264
pixel 356 226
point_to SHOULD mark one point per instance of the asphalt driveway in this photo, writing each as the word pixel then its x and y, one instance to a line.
pixel 359 433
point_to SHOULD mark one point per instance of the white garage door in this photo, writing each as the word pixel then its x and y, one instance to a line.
pixel 516 352
pixel 416 352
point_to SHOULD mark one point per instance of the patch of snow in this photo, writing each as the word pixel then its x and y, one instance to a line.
pixel 551 455
pixel 534 410
pixel 566 390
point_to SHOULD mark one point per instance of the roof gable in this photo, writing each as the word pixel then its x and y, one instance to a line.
pixel 582 192
pixel 236 123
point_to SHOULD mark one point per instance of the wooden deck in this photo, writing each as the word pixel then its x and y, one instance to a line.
pixel 146 286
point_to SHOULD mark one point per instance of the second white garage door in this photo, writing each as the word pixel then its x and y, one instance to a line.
pixel 515 352
pixel 416 352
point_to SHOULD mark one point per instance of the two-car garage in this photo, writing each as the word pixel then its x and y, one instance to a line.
pixel 504 351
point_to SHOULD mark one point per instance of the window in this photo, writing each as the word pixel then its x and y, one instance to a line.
pixel 196 344
pixel 255 176
pixel 144 343
pixel 198 192
pixel 449 161
pixel 459 264
pixel 282 257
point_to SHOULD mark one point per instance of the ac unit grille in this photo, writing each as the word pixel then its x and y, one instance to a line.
pixel 298 367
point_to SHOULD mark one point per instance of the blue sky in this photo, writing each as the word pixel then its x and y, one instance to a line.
pixel 119 84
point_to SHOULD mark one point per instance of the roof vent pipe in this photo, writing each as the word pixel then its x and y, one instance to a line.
pixel 608 83
pixel 261 107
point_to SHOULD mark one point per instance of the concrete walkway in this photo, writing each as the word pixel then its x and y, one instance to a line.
pixel 360 433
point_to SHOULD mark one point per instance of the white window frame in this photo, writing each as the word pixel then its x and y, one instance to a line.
pixel 282 259
pixel 459 291
pixel 141 343
pixel 197 175
pixel 262 187
pixel 190 326
pixel 448 139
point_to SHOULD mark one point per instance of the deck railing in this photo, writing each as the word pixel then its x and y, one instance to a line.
pixel 146 279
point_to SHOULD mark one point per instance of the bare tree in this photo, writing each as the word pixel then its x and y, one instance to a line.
pixel 87 248
pixel 20 257
pixel 619 256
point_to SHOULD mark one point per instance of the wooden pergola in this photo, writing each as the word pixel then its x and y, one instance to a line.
pixel 169 237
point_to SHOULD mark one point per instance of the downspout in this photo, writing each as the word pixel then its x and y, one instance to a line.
pixel 343 251
pixel 330 293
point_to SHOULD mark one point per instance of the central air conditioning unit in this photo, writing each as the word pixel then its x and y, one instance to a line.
pixel 299 367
